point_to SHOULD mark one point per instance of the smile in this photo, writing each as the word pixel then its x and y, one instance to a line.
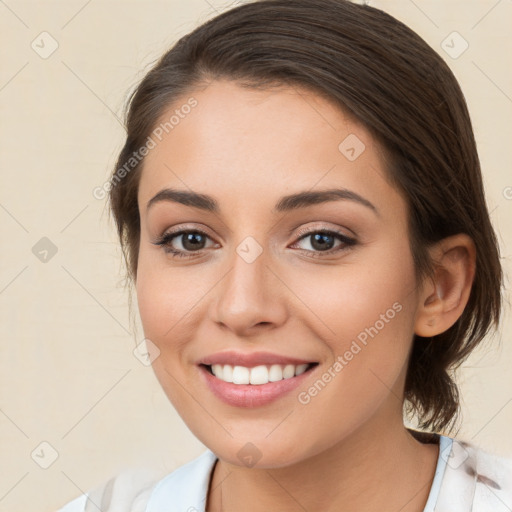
pixel 257 375
pixel 256 386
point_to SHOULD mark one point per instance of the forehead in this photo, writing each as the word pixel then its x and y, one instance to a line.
pixel 255 142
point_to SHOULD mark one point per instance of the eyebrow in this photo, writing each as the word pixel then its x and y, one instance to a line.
pixel 285 203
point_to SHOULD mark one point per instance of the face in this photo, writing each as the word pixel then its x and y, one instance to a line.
pixel 271 285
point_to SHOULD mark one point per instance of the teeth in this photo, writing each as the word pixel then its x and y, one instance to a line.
pixel 258 374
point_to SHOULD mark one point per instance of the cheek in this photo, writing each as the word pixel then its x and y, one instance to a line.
pixel 369 348
pixel 352 300
pixel 160 302
pixel 367 314
pixel 170 301
pixel 162 295
pixel 162 308
pixel 153 302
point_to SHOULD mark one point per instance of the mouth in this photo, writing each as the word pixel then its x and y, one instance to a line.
pixel 254 386
pixel 257 375
pixel 253 379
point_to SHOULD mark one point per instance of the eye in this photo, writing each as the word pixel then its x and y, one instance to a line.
pixel 322 241
pixel 193 241
pixel 190 241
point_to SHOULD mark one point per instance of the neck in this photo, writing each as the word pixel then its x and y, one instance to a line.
pixel 378 467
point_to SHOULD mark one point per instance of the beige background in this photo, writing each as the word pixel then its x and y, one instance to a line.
pixel 68 374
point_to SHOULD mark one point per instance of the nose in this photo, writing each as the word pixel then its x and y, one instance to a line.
pixel 251 296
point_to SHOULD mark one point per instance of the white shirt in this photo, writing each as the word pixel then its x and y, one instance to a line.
pixel 467 479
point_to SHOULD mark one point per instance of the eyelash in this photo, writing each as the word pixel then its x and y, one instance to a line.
pixel 166 239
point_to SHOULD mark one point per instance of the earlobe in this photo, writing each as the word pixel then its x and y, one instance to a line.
pixel 444 296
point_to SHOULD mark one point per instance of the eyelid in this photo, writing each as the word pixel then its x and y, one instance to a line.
pixel 318 226
pixel 187 227
pixel 347 242
pixel 322 226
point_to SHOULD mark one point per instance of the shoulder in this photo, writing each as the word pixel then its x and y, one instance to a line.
pixel 478 476
pixel 491 471
pixel 143 489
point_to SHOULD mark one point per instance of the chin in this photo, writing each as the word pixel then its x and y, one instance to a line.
pixel 264 454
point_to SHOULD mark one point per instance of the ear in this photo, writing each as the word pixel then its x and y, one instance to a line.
pixel 443 298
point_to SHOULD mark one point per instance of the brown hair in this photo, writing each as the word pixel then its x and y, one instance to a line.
pixel 381 72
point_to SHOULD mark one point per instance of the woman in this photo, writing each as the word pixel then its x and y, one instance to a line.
pixel 301 209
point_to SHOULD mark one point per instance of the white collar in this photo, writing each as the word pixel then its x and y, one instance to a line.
pixel 186 488
pixel 465 476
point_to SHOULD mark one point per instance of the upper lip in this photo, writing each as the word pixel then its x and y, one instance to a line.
pixel 250 359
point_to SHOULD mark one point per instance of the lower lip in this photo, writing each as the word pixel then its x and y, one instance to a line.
pixel 251 395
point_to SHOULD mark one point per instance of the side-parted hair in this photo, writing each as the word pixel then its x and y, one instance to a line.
pixel 388 78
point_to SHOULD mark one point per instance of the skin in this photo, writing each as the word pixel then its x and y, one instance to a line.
pixel 347 447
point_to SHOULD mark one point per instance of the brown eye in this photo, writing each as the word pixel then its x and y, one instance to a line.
pixel 322 241
pixel 190 240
